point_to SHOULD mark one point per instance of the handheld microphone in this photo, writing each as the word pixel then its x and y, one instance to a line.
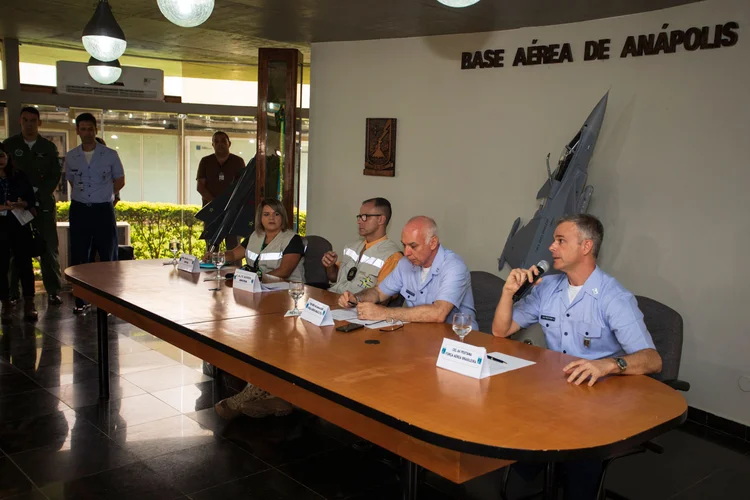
pixel 543 267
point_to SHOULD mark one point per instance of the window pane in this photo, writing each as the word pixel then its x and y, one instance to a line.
pixel 160 168
pixel 196 148
pixel 128 146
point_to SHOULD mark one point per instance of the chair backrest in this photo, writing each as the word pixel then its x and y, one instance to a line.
pixel 665 326
pixel 315 273
pixel 487 289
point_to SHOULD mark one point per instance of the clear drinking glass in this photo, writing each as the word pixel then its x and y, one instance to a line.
pixel 174 247
pixel 462 325
pixel 218 258
pixel 296 291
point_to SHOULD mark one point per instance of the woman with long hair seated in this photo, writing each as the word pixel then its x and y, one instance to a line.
pixel 273 249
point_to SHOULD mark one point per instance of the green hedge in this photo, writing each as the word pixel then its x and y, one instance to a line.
pixel 154 225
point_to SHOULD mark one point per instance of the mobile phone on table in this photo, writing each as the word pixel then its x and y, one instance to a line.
pixel 349 327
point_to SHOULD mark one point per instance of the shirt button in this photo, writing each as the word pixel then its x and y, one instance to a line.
pixel 566 334
pixel 547 324
pixel 565 352
pixel 587 333
pixel 568 315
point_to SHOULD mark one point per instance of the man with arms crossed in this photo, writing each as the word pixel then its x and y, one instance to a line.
pixel 585 313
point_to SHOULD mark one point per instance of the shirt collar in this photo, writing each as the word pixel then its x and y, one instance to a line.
pixel 592 286
pixel 369 245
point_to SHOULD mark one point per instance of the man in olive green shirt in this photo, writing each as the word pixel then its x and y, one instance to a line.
pixel 38 158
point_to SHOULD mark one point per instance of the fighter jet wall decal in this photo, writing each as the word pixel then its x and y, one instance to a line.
pixel 564 193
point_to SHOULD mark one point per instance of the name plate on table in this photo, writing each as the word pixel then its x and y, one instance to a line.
pixel 317 313
pixel 189 263
pixel 246 280
pixel 463 358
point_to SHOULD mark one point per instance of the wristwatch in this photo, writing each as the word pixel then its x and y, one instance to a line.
pixel 621 364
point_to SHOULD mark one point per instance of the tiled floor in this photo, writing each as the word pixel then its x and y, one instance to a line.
pixel 158 437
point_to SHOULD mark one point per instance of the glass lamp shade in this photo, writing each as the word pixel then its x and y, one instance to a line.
pixel 102 37
pixel 458 3
pixel 186 13
pixel 105 73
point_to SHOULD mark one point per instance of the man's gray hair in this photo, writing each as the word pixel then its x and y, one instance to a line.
pixel 589 227
pixel 430 226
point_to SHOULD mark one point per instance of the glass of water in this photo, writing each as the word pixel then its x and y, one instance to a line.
pixel 218 258
pixel 296 291
pixel 462 325
pixel 174 247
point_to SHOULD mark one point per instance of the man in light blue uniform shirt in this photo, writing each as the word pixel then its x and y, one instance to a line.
pixel 434 282
pixel 95 174
pixel 586 313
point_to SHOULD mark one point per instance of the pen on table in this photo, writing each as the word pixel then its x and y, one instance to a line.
pixel 493 358
pixel 353 304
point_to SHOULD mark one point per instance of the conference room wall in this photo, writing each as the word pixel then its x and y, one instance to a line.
pixel 670 170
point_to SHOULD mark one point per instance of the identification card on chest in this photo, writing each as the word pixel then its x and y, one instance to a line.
pixel 221 176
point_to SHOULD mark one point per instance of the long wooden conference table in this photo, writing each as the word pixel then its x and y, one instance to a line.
pixel 390 393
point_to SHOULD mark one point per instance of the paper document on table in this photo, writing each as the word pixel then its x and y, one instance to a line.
pixel 350 315
pixel 510 363
pixel 269 287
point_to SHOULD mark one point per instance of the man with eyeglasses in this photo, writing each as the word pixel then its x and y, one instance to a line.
pixel 366 262
pixel 434 282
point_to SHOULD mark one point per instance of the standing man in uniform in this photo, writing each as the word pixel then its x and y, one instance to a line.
pixel 38 159
pixel 96 177
pixel 216 173
pixel 366 262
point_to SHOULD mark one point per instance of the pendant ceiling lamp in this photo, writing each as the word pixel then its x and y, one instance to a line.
pixel 102 37
pixel 458 3
pixel 105 73
pixel 186 13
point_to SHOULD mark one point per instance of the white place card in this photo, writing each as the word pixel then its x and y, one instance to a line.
pixel 317 313
pixel 463 358
pixel 189 263
pixel 246 280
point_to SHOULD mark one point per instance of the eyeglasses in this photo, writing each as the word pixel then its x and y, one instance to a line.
pixel 363 217
pixel 393 325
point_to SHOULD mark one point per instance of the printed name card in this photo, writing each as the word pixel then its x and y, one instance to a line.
pixel 465 359
pixel 317 313
pixel 189 263
pixel 246 280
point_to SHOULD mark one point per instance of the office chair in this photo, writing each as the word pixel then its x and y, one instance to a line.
pixel 315 273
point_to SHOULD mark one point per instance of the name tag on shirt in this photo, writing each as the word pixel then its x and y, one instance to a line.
pixel 317 313
pixel 189 264
pixel 221 176
pixel 246 280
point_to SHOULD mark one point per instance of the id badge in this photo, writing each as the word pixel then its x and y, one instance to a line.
pixel 221 176
pixel 80 186
pixel 587 343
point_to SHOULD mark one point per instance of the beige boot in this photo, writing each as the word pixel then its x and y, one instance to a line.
pixel 229 408
pixel 266 405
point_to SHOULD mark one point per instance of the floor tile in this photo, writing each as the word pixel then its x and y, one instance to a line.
pixel 12 480
pixel 7 369
pixel 117 415
pixel 117 346
pixel 393 491
pixel 80 370
pixel 168 377
pixel 51 430
pixel 33 494
pixel 340 474
pixel 134 481
pixel 205 466
pixel 686 461
pixel 730 482
pixel 189 398
pixel 85 451
pixel 87 393
pixel 269 485
pixel 29 404
pixel 163 436
pixel 141 361
pixel 16 383
pixel 275 440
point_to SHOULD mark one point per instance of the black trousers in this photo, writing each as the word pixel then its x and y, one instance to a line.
pixel 580 479
pixel 15 240
pixel 92 230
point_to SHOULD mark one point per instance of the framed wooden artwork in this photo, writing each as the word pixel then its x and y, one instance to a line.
pixel 380 147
